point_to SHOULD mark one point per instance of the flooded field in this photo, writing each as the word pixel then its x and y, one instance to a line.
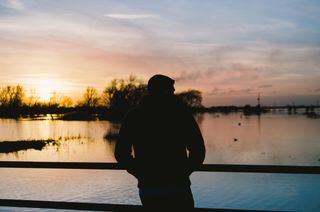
pixel 277 139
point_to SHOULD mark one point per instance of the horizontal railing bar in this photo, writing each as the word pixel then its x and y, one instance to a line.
pixel 281 169
pixel 59 165
pixel 67 205
pixel 87 206
pixel 203 168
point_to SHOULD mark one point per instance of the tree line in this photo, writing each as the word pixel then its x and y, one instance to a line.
pixel 119 96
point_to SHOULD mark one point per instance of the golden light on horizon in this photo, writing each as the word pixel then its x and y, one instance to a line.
pixel 46 87
pixel 45 94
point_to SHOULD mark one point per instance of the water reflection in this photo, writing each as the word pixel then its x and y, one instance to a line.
pixel 111 136
pixel 268 139
pixel 78 140
pixel 277 192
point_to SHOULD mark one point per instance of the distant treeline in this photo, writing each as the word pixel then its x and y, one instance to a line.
pixel 119 96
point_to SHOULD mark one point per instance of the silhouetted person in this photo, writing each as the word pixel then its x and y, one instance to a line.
pixel 161 145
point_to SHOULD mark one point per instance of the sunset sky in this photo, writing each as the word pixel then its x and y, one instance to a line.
pixel 230 50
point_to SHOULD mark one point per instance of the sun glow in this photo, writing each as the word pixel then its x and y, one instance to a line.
pixel 45 94
pixel 45 89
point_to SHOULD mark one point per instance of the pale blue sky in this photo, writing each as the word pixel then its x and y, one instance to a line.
pixel 230 50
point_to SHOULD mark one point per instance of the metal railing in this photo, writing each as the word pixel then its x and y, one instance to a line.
pixel 114 166
pixel 203 168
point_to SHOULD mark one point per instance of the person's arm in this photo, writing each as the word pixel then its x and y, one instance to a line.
pixel 195 146
pixel 123 149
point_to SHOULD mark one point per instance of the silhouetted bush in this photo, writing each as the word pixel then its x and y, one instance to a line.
pixel 90 98
pixel 11 100
pixel 191 98
pixel 11 96
pixel 123 94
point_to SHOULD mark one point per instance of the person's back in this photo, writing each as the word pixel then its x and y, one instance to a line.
pixel 161 131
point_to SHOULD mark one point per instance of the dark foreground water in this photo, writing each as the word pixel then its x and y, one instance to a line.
pixel 271 139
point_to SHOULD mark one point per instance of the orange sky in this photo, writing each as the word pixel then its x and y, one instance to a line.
pixel 274 49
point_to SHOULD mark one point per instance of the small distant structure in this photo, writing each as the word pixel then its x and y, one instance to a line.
pixel 257 110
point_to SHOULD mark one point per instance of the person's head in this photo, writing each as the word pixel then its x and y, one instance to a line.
pixel 160 85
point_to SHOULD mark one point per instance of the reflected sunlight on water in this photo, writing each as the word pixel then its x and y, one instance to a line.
pixel 78 140
pixel 270 139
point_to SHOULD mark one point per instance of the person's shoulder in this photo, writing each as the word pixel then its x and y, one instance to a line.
pixel 181 107
pixel 134 113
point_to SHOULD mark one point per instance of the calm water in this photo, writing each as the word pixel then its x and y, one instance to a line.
pixel 270 139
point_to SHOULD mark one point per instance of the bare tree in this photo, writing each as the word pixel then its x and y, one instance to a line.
pixel 90 97
pixel 11 96
pixel 191 98
pixel 66 101
pixel 55 99
pixel 32 99
pixel 122 94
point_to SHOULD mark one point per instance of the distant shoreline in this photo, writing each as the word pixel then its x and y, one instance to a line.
pixel 103 113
